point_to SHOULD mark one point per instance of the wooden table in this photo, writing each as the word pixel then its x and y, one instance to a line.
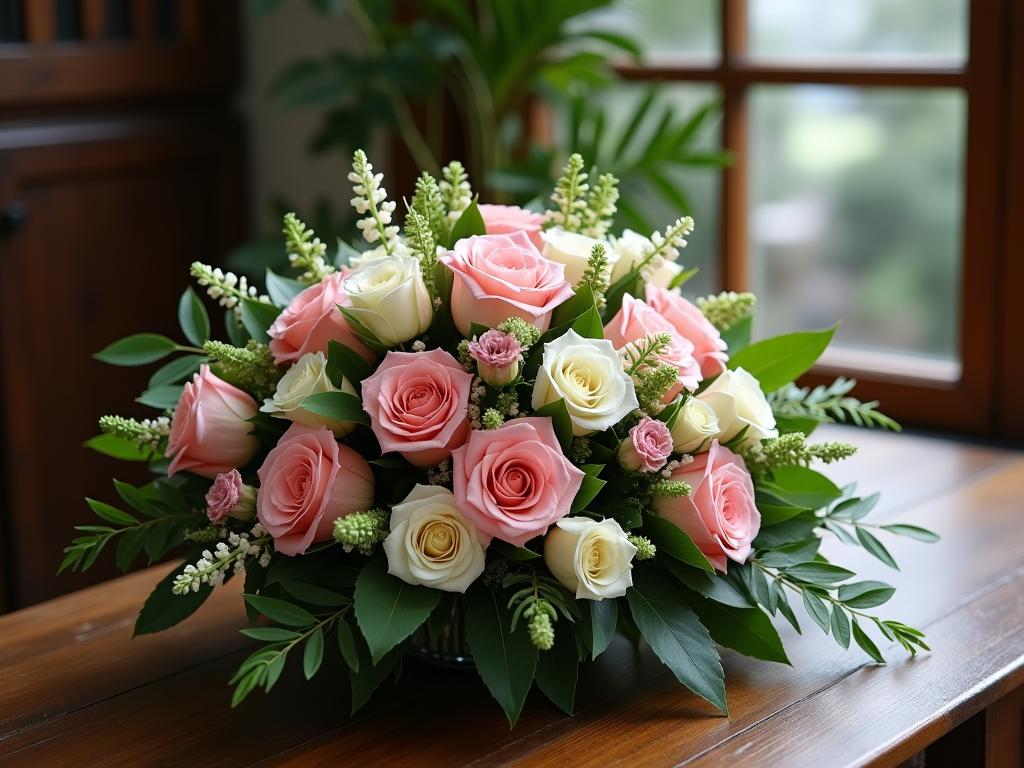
pixel 75 689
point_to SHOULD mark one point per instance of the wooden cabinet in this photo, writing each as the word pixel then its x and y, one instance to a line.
pixel 120 164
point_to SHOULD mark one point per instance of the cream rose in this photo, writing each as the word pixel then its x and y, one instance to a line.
pixel 696 425
pixel 738 402
pixel 573 250
pixel 587 374
pixel 592 559
pixel 388 297
pixel 307 377
pixel 431 543
pixel 631 248
pixel 375 254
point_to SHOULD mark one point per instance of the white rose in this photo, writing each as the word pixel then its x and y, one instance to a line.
pixel 388 296
pixel 431 543
pixel 373 254
pixel 695 426
pixel 630 247
pixel 592 559
pixel 739 403
pixel 587 374
pixel 573 250
pixel 307 377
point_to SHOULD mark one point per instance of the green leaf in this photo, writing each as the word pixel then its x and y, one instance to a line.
pixel 313 654
pixel 589 325
pixel 162 398
pixel 672 540
pixel 912 532
pixel 780 360
pixel 588 490
pixel 387 609
pixel 802 487
pixel 177 370
pixel 470 223
pixel 710 585
pixel 677 636
pixel 599 624
pixel 558 668
pixel 840 626
pixel 257 317
pixel 510 552
pixel 347 645
pixel 866 643
pixel 737 335
pixel 875 547
pixel 118 448
pixel 129 547
pixel 574 307
pixel 747 630
pixel 111 514
pixel 817 572
pixel 787 424
pixel 817 610
pixel 136 499
pixel 139 349
pixel 342 361
pixel 775 513
pixel 366 676
pixel 560 420
pixel 281 611
pixel 312 594
pixel 855 509
pixel 270 634
pixel 192 317
pixel 163 609
pixel 865 594
pixel 683 277
pixel 505 660
pixel 791 553
pixel 236 332
pixel 282 289
pixel 337 405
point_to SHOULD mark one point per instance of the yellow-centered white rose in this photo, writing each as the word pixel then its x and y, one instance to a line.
pixel 589 558
pixel 631 249
pixel 388 296
pixel 431 543
pixel 308 376
pixel 738 402
pixel 587 374
pixel 696 425
pixel 573 250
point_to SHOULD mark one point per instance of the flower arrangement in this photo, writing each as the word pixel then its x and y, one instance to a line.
pixel 494 435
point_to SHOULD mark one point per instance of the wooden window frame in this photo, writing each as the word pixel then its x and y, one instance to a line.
pixel 985 397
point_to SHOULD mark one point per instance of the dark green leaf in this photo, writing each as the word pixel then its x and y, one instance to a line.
pixel 875 547
pixel 817 610
pixel 282 289
pixel 558 668
pixel 588 490
pixel 139 349
pixel 312 594
pixel 281 611
pixel 111 514
pixel 470 223
pixel 387 609
pixel 164 397
pixel 509 552
pixel 136 499
pixel 737 335
pixel 236 332
pixel 270 634
pixel 602 619
pixel 257 317
pixel 817 572
pixel 747 630
pixel 313 655
pixel 912 532
pixel 710 585
pixel 337 405
pixel 129 547
pixel 571 309
pixel 677 636
pixel 118 448
pixel 854 509
pixel 366 676
pixel 840 626
pixel 790 554
pixel 505 660
pixel 347 645
pixel 672 540
pixel 780 360
pixel 802 487
pixel 560 420
pixel 164 609
pixel 865 594
pixel 192 317
pixel 177 370
pixel 342 361
pixel 866 643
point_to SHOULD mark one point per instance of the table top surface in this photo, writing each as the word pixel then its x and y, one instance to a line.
pixel 77 689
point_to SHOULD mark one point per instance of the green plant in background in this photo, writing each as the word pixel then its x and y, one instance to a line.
pixel 433 69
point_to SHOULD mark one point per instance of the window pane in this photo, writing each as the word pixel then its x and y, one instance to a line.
pixel 856 214
pixel 919 30
pixel 679 30
pixel 682 189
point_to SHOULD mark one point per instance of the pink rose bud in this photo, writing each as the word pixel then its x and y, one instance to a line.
pixel 647 447
pixel 230 497
pixel 497 357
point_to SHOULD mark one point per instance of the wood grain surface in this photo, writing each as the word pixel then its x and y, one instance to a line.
pixel 77 690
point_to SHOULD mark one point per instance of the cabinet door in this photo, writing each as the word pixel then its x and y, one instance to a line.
pixel 101 225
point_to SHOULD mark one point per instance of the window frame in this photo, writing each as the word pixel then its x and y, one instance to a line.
pixel 982 399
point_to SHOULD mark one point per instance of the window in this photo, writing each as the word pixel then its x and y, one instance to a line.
pixel 870 180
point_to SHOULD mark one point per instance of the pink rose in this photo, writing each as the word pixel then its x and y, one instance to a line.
pixel 708 346
pixel 506 219
pixel 311 321
pixel 513 482
pixel 719 515
pixel 230 497
pixel 497 357
pixel 647 447
pixel 635 321
pixel 210 431
pixel 307 482
pixel 417 403
pixel 503 276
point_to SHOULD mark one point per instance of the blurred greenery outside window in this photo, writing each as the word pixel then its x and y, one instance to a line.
pixel 854 194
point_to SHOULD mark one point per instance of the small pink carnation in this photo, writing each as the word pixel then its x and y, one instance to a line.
pixel 497 355
pixel 224 495
pixel 648 446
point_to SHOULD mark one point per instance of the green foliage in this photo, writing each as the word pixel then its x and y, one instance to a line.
pixel 163 609
pixel 337 405
pixel 829 403
pixel 139 349
pixel 389 610
pixel 257 317
pixel 672 540
pixel 777 361
pixel 193 318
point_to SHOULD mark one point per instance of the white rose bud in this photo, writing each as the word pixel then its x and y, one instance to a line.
pixel 431 543
pixel 388 296
pixel 374 254
pixel 592 559
pixel 696 425
pixel 308 376
pixel 573 250
pixel 587 374
pixel 630 248
pixel 738 402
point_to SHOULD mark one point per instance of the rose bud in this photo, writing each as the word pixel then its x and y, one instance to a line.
pixel 230 497
pixel 497 357
pixel 696 425
pixel 647 447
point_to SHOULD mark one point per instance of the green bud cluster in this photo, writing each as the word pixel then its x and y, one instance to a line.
pixel 727 308
pixel 645 549
pixel 250 367
pixel 362 531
